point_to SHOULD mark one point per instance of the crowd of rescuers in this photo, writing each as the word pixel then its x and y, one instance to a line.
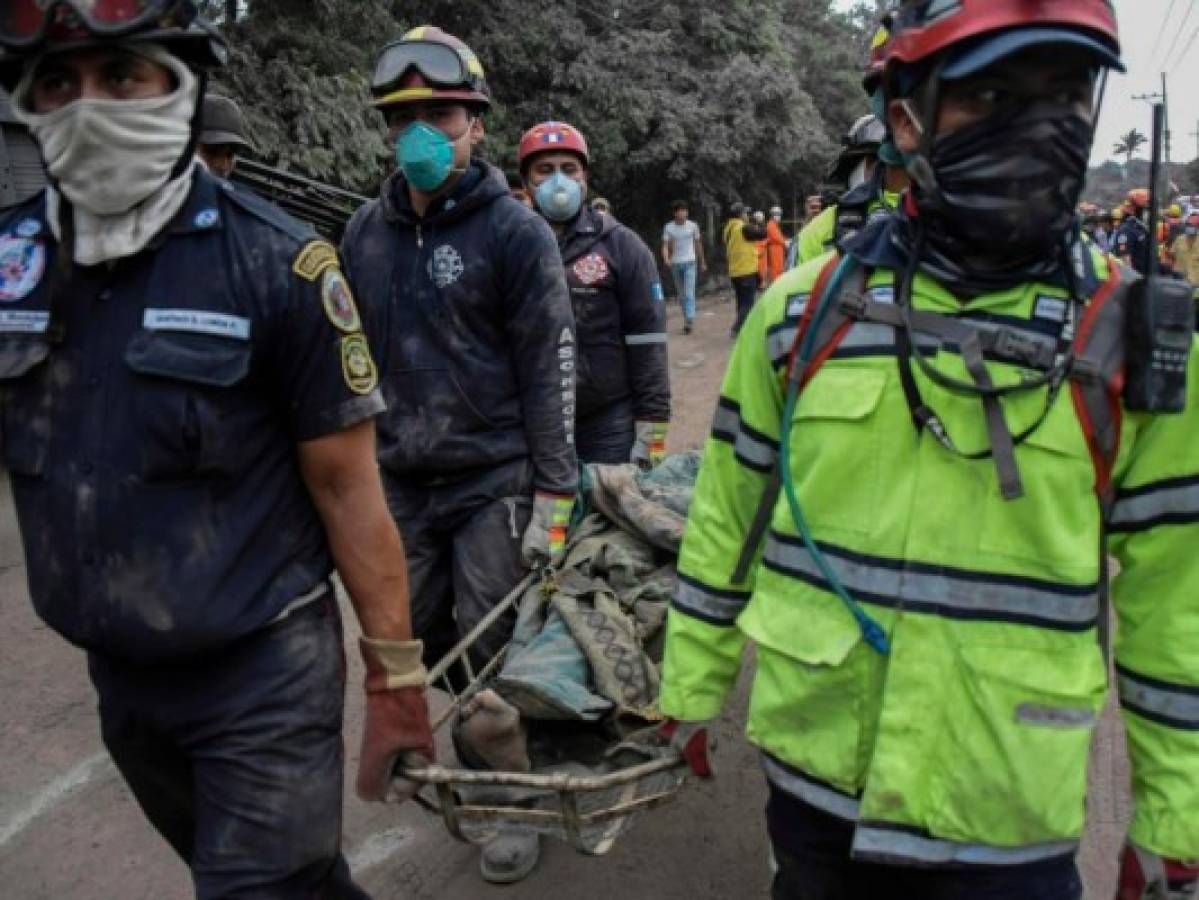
pixel 202 422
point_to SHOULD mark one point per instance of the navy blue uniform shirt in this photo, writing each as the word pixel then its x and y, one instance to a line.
pixel 152 448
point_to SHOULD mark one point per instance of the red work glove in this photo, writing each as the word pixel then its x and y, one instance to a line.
pixel 1147 876
pixel 694 742
pixel 396 728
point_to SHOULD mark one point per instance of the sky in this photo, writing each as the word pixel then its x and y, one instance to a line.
pixel 1146 56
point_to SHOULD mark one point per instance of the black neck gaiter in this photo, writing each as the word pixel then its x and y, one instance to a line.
pixel 1000 201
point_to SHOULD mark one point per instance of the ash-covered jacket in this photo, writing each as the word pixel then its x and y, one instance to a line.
pixel 620 316
pixel 472 328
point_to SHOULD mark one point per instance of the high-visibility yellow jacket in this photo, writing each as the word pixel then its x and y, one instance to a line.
pixel 968 742
pixel 742 254
pixel 816 238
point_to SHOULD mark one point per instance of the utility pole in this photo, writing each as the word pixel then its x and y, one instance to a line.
pixel 1195 135
pixel 1155 99
pixel 1166 125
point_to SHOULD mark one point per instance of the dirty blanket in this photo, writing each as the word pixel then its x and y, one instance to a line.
pixel 579 651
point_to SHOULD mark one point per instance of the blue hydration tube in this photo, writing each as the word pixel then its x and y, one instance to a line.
pixel 872 631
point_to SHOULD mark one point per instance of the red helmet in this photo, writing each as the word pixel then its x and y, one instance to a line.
pixel 551 137
pixel 428 64
pixel 29 28
pixel 924 29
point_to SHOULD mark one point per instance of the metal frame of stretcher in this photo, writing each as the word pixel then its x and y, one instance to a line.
pixel 573 822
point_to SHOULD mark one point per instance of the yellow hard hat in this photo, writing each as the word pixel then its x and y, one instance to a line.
pixel 1175 210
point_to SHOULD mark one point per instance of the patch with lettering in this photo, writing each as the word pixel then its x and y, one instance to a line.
pixel 199 321
pixel 338 301
pixel 314 259
pixel 590 269
pixel 28 321
pixel 22 265
pixel 357 365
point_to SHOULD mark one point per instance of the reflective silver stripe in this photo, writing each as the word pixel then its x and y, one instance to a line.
pixel 748 447
pixel 780 342
pixel 1178 706
pixel 810 792
pixel 637 340
pixel 1167 501
pixel 880 844
pixel 972 594
pixel 717 608
pixel 303 600
pixel 868 335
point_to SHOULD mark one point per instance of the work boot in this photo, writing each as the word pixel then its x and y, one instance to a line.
pixel 687 327
pixel 510 856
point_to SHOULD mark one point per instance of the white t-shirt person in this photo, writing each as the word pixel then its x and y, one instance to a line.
pixel 682 238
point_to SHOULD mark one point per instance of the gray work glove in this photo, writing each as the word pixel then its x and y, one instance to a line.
pixel 544 542
pixel 649 447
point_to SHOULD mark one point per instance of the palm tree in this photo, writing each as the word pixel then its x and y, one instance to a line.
pixel 1129 144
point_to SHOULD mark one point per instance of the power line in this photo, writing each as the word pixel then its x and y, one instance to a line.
pixel 1186 50
pixel 1162 30
pixel 1177 34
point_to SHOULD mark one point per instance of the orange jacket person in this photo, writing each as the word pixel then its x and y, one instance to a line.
pixel 776 246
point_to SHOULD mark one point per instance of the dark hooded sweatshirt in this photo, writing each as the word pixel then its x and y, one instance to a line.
pixel 471 324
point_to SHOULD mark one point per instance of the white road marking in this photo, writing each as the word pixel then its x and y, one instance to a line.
pixel 54 793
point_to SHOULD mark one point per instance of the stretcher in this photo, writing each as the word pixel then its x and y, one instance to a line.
pixel 585 809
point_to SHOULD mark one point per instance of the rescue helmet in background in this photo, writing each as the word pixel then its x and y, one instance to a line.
pixel 1137 199
pixel 966 36
pixel 864 136
pixel 30 29
pixel 551 137
pixel 1175 211
pixel 428 64
pixel 222 123
pixel 1117 213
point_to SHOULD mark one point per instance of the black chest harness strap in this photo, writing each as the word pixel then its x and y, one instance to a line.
pixel 1088 355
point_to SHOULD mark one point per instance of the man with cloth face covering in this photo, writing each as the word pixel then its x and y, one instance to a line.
pixel 187 399
pixel 923 579
pixel 624 379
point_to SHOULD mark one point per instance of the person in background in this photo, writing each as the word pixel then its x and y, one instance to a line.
pixel 812 207
pixel 1185 250
pixel 683 252
pixel 601 204
pixel 776 246
pixel 741 238
pixel 223 135
pixel 623 375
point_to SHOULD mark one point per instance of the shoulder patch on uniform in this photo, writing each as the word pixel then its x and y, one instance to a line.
pixel 357 365
pixel 248 201
pixel 314 259
pixel 22 264
pixel 338 301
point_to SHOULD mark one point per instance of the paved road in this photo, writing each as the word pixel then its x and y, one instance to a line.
pixel 69 829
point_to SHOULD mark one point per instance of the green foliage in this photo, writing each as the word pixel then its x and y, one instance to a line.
pixel 712 101
pixel 1129 144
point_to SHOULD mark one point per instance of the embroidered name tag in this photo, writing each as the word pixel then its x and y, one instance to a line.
pixel 29 321
pixel 197 320
pixel 1051 308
